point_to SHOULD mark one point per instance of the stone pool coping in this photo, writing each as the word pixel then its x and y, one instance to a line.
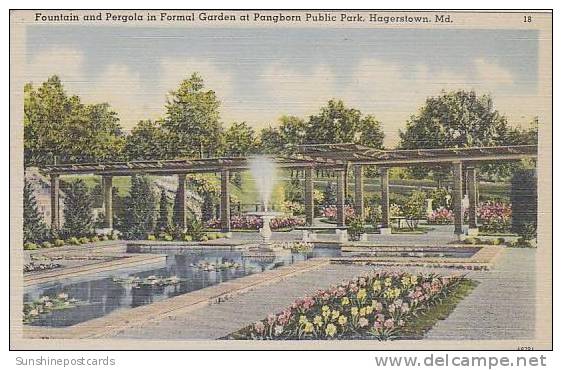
pixel 125 260
pixel 484 259
pixel 184 303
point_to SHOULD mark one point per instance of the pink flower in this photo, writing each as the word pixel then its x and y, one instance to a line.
pixel 389 324
pixel 259 327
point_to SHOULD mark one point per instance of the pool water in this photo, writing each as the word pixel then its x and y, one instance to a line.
pixel 100 294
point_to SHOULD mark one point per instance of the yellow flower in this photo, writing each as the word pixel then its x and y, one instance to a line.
pixel 377 286
pixel 308 327
pixel 331 330
pixel 325 308
pixel 406 281
pixel 414 279
pixel 335 314
pixel 361 294
pixel 362 311
pixel 318 320
pixel 342 320
pixel 326 313
pixel 368 310
pixel 354 311
pixel 387 281
pixel 303 319
pixel 344 301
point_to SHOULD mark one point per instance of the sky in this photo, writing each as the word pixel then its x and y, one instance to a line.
pixel 260 74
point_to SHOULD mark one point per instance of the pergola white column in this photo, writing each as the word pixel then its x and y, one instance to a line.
pixel 472 190
pixel 457 196
pixel 340 198
pixel 309 195
pixel 55 193
pixel 385 201
pixel 359 198
pixel 225 201
pixel 108 200
pixel 182 206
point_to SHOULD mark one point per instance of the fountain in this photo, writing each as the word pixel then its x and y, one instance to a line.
pixel 263 171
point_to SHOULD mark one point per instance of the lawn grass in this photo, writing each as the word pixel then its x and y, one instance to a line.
pixel 418 327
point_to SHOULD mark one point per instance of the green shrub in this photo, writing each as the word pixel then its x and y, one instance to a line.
pixel 73 241
pixel 187 237
pixel 95 239
pixel 496 241
pixel 211 236
pixel 204 238
pixel 59 242
pixel 151 237
pixel 414 209
pixel 501 240
pixel 84 240
pixel 46 245
pixel 355 227
pixel 168 238
pixel 113 236
pixel 103 237
pixel 195 229
pixel 471 240
pixel 29 246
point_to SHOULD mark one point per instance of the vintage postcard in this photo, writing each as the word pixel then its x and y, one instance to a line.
pixel 281 179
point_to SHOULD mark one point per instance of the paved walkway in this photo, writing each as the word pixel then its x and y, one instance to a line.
pixel 501 307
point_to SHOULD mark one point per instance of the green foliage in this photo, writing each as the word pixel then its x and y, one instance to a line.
pixel 355 227
pixel 78 216
pixel 208 207
pixel 192 119
pixel 414 209
pixel 524 201
pixel 34 228
pixel 163 215
pixel 454 119
pixel 29 246
pixel 46 244
pixel 148 141
pixel 84 240
pixel 59 242
pixel 195 229
pixel 330 194
pixel 60 126
pixel 441 198
pixel 337 124
pixel 239 140
pixel 73 241
pixel 141 209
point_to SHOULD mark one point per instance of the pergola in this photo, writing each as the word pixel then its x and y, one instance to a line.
pixel 336 157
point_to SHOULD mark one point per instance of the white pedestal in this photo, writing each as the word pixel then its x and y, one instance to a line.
pixel 342 235
pixel 386 231
pixel 363 237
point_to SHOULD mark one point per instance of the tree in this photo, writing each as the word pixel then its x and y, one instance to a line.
pixel 148 141
pixel 163 222
pixel 78 215
pixel 60 127
pixel 239 140
pixel 454 119
pixel 338 124
pixel 34 228
pixel 271 141
pixel 192 119
pixel 140 207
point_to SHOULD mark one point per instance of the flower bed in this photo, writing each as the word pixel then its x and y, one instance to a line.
pixel 495 216
pixel 331 212
pixel 441 216
pixel 247 222
pixel 380 306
